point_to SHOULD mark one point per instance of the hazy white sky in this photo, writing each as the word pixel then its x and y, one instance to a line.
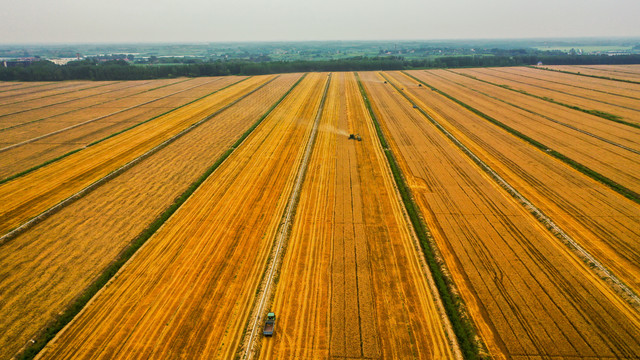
pixel 63 21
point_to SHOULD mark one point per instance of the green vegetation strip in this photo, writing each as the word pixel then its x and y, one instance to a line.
pixel 112 135
pixel 587 75
pixel 622 190
pixel 78 304
pixel 453 304
pixel 602 114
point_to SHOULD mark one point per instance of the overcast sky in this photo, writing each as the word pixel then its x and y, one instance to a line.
pixel 66 21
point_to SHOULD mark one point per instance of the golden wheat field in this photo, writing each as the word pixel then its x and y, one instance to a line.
pixel 424 214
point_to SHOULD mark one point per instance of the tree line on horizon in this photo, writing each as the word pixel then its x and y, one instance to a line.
pixel 122 70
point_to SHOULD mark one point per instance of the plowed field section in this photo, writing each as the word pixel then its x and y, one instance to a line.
pixel 29 195
pixel 599 70
pixel 605 223
pixel 527 294
pixel 625 108
pixel 351 285
pixel 188 292
pixel 50 137
pixel 43 269
pixel 609 160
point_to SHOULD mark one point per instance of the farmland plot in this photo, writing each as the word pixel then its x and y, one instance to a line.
pixel 43 269
pixel 527 294
pixel 604 222
pixel 609 160
pixel 598 70
pixel 351 285
pixel 623 107
pixel 601 85
pixel 188 292
pixel 29 195
pixel 40 141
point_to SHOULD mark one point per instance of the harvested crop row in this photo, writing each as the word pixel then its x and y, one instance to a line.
pixel 29 195
pixel 45 268
pixel 189 290
pixel 596 70
pixel 625 108
pixel 527 294
pixel 606 224
pixel 351 285
pixel 608 160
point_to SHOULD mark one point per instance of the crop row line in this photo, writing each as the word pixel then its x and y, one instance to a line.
pixel 622 190
pixel 453 304
pixel 613 281
pixel 52 330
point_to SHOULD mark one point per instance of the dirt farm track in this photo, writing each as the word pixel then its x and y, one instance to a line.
pixel 489 213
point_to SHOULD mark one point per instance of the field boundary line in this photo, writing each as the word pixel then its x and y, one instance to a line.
pixel 9 178
pixel 55 208
pixel 468 341
pixel 624 147
pixel 600 114
pixel 77 306
pixel 273 266
pixel 620 189
pixel 587 75
pixel 85 107
pixel 602 272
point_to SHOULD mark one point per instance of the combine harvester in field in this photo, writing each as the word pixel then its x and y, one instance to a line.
pixel 270 325
pixel 355 137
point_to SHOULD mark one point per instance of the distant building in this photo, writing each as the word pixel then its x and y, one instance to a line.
pixel 19 62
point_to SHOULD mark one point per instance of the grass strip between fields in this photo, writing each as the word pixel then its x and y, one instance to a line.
pixel 453 304
pixel 620 189
pixel 51 330
pixel 601 114
pixel 114 134
pixel 587 75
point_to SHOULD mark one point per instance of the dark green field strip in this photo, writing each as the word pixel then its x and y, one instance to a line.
pixel 602 114
pixel 587 75
pixel 79 303
pixel 453 304
pixel 543 116
pixel 622 190
pixel 114 134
